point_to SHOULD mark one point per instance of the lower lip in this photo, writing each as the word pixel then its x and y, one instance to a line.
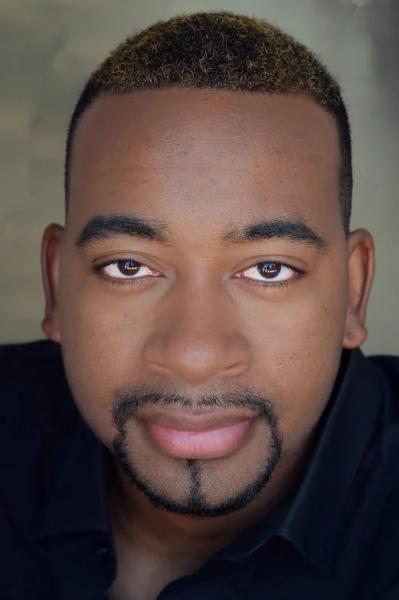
pixel 208 443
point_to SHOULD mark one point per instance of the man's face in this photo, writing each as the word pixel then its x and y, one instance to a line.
pixel 203 355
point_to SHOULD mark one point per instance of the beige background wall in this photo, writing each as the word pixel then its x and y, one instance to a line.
pixel 48 48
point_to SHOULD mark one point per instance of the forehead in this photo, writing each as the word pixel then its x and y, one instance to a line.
pixel 197 150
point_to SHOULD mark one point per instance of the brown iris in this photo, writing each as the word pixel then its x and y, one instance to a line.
pixel 128 267
pixel 269 269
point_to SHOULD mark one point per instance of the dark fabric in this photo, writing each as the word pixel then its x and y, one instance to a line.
pixel 336 538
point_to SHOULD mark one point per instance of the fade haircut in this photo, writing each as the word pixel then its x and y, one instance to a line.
pixel 225 51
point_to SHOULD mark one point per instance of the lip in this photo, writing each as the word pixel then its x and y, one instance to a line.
pixel 202 435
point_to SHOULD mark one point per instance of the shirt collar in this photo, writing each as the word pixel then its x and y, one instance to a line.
pixel 309 519
pixel 313 521
pixel 78 497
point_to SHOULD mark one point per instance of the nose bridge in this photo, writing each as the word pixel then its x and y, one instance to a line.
pixel 198 336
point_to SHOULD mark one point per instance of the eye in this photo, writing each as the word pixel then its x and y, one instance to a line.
pixel 126 269
pixel 269 273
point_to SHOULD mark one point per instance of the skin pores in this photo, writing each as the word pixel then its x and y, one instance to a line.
pixel 199 322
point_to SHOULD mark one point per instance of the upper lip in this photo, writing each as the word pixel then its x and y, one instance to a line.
pixel 194 421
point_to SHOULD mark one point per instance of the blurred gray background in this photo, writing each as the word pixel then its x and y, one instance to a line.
pixel 49 47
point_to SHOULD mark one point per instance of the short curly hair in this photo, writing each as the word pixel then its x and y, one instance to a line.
pixel 225 51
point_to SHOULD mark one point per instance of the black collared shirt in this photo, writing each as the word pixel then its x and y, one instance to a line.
pixel 336 538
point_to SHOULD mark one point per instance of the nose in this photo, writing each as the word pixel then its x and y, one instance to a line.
pixel 197 340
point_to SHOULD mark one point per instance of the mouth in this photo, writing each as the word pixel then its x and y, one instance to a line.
pixel 202 435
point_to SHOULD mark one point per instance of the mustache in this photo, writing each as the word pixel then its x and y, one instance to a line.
pixel 130 400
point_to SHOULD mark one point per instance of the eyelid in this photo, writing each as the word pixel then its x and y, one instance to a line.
pixel 123 280
pixel 275 262
pixel 296 274
pixel 140 257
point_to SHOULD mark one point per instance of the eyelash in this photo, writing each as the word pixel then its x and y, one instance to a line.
pixel 121 282
pixel 253 282
pixel 278 284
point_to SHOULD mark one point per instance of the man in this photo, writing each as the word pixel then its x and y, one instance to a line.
pixel 201 422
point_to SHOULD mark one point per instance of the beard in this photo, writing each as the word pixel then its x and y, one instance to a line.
pixel 196 487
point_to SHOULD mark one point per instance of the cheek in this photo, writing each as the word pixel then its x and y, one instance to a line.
pixel 301 344
pixel 101 341
pixel 305 372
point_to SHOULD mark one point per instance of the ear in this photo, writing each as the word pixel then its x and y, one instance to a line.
pixel 50 262
pixel 360 278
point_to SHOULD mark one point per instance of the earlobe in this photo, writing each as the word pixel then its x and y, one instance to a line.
pixel 360 278
pixel 50 257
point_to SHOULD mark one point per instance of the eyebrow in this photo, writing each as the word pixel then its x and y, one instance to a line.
pixel 295 230
pixel 106 226
pixel 113 225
